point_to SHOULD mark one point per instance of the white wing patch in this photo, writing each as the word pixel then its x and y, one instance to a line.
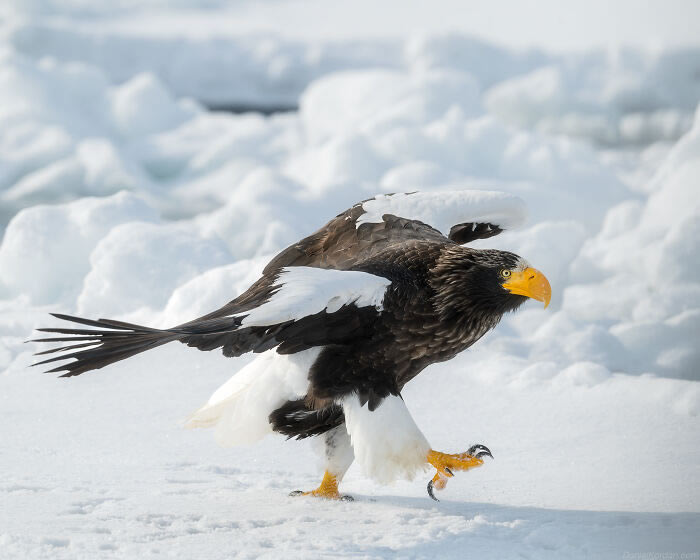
pixel 305 290
pixel 442 210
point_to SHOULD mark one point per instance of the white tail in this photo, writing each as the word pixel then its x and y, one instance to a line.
pixel 239 410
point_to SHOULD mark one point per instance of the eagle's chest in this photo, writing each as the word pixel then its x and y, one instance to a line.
pixel 421 338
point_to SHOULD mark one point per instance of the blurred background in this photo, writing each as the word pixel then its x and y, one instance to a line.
pixel 154 154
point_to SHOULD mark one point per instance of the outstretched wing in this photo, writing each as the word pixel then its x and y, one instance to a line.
pixel 308 294
pixel 389 220
pixel 295 309
pixel 292 310
pixel 371 226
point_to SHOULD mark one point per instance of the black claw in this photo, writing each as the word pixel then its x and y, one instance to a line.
pixel 347 498
pixel 296 493
pixel 482 451
pixel 430 491
pixel 448 470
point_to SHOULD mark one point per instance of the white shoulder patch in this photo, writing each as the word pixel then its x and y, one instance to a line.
pixel 306 290
pixel 442 210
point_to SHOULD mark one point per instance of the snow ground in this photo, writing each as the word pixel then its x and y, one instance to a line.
pixel 121 198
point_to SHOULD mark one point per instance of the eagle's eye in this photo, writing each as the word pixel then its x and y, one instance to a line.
pixel 505 273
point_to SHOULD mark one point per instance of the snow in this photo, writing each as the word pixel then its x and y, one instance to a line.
pixel 56 242
pixel 624 97
pixel 122 197
pixel 144 250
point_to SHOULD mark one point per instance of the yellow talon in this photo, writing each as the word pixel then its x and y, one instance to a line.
pixel 439 481
pixel 446 463
pixel 328 489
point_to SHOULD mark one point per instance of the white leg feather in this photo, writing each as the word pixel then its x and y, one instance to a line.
pixel 336 451
pixel 386 441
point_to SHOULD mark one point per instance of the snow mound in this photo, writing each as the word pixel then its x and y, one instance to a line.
pixel 648 259
pixel 622 97
pixel 202 294
pixel 618 97
pixel 255 69
pixel 140 264
pixel 46 249
pixel 375 100
pixel 362 149
pixel 65 132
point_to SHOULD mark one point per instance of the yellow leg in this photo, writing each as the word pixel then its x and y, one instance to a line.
pixel 445 464
pixel 328 489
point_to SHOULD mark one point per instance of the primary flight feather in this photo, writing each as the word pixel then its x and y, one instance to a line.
pixel 341 321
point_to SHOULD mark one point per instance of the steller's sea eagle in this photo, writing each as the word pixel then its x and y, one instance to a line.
pixel 341 321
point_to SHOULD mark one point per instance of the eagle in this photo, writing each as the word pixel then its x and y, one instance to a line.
pixel 340 322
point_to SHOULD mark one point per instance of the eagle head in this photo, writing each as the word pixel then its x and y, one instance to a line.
pixel 487 282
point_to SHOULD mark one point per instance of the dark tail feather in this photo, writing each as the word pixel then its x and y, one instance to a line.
pixel 100 347
pixel 295 420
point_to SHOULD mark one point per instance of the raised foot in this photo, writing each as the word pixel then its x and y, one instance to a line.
pixel 446 463
pixel 328 490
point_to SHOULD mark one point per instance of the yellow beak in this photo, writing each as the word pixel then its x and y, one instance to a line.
pixel 530 283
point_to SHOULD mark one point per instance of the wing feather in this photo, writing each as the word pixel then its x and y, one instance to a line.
pixel 294 310
pixel 386 220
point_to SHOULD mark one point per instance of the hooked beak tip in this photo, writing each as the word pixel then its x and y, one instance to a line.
pixel 530 283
